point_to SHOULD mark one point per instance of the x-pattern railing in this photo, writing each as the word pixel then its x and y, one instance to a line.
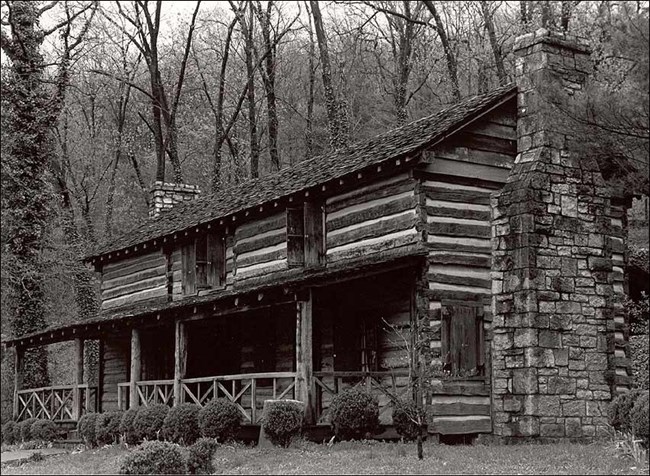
pixel 54 403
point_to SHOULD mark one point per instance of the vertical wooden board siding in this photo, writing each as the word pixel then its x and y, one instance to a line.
pixel 134 279
pixel 259 248
pixel 115 367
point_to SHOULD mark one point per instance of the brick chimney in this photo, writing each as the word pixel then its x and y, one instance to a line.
pixel 558 261
pixel 165 195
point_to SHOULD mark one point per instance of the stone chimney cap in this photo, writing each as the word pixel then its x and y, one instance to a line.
pixel 553 38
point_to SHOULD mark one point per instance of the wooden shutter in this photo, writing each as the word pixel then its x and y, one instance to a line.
pixel 216 255
pixel 461 334
pixel 314 245
pixel 295 237
pixel 202 262
pixel 188 258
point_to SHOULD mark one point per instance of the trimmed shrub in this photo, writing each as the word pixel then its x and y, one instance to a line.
pixel 219 419
pixel 26 429
pixel 405 418
pixel 86 429
pixel 355 414
pixel 107 427
pixel 155 457
pixel 620 408
pixel 639 417
pixel 181 424
pixel 8 435
pixel 44 430
pixel 126 427
pixel 200 456
pixel 282 421
pixel 149 421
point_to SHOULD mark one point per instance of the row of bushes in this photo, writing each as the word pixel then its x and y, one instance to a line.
pixel 628 413
pixel 32 429
pixel 183 423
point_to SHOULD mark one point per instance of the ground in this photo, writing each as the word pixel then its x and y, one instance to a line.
pixel 371 458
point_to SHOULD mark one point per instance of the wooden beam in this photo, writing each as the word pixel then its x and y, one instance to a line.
pixel 136 368
pixel 304 353
pixel 180 358
pixel 78 378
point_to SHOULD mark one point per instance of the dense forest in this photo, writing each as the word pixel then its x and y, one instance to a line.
pixel 101 99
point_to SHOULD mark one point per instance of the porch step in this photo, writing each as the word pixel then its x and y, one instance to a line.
pixel 68 443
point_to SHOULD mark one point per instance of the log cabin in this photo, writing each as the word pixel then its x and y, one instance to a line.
pixel 469 259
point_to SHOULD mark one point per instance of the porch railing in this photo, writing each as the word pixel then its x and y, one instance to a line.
pixel 247 391
pixel 387 386
pixel 57 403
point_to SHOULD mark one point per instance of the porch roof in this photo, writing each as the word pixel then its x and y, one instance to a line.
pixel 285 283
pixel 401 142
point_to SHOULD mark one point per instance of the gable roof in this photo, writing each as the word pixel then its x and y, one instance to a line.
pixel 395 143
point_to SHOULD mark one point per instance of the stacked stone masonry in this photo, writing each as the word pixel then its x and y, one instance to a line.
pixel 558 350
pixel 165 195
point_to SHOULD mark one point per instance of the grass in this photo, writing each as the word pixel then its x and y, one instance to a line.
pixel 371 458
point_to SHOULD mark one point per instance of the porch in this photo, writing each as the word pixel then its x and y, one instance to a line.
pixel 308 345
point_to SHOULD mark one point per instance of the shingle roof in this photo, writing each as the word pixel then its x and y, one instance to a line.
pixel 395 143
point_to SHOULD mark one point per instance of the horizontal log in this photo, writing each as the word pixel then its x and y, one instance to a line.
pixel 364 249
pixel 494 129
pixel 135 287
pixel 261 226
pixel 132 298
pixel 462 280
pixel 453 195
pixel 457 229
pixel 476 142
pixel 444 294
pixel 373 230
pixel 488 185
pixel 362 196
pixel 261 258
pixel 445 166
pixel 459 247
pixel 459 408
pixel 128 266
pixel 466 387
pixel 505 114
pixel 265 242
pixel 372 212
pixel 266 268
pixel 449 425
pixel 462 213
pixel 477 261
pixel 147 273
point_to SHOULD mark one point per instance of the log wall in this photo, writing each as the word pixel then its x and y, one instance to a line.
pixel 374 218
pixel 260 247
pixel 134 279
pixel 456 181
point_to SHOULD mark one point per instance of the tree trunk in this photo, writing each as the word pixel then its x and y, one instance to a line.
pixel 452 65
pixel 309 128
pixel 496 50
pixel 268 78
pixel 338 137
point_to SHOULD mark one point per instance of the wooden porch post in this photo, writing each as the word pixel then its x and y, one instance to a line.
pixel 180 359
pixel 304 353
pixel 18 375
pixel 78 378
pixel 136 368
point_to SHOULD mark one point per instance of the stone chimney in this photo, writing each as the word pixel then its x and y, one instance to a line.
pixel 165 195
pixel 558 348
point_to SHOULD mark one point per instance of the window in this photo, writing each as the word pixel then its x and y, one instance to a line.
pixel 305 237
pixel 462 340
pixel 204 263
